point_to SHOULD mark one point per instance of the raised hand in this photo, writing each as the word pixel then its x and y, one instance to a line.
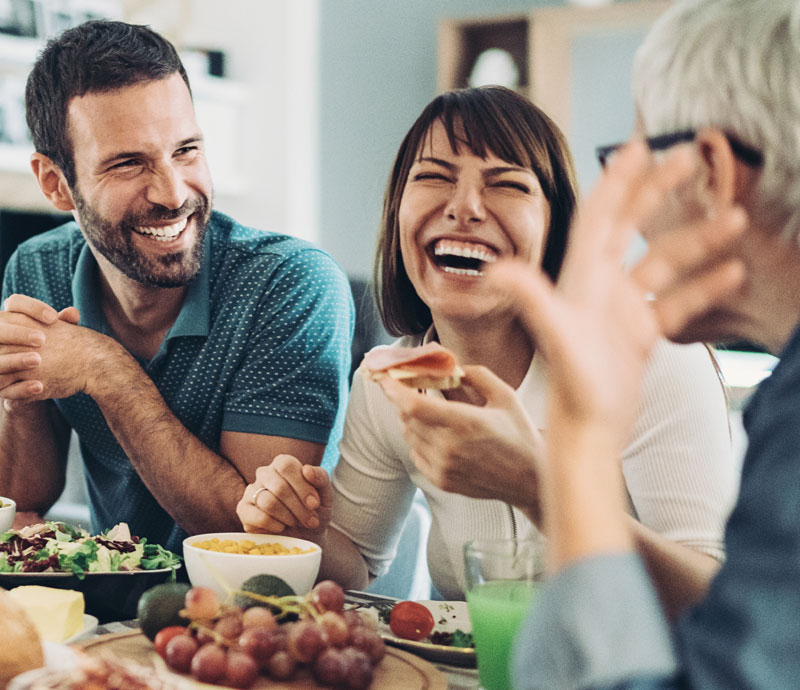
pixel 596 329
pixel 287 497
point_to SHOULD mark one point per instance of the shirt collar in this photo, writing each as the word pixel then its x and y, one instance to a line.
pixel 193 318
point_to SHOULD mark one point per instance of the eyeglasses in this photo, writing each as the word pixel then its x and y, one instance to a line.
pixel 747 154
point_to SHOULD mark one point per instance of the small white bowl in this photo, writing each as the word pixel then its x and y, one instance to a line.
pixel 206 568
pixel 8 508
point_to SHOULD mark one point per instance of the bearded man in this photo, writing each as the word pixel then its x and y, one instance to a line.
pixel 184 349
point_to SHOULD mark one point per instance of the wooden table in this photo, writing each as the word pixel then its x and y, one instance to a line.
pixel 400 670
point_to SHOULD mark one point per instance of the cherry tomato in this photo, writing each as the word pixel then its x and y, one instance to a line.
pixel 164 636
pixel 410 620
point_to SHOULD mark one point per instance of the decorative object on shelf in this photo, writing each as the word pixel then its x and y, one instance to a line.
pixel 495 66
pixel 474 52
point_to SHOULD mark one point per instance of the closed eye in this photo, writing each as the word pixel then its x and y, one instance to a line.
pixel 186 150
pixel 431 176
pixel 129 163
pixel 510 184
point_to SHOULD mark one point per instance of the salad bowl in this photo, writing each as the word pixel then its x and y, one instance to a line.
pixel 112 570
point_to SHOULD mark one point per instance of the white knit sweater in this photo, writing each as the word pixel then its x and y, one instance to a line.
pixel 679 469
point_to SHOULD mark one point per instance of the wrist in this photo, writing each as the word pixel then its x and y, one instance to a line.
pixel 109 368
pixel 583 492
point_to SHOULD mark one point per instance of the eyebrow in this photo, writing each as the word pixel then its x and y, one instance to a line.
pixel 507 168
pixel 437 161
pixel 123 155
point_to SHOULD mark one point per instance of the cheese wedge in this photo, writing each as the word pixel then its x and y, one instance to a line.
pixel 56 613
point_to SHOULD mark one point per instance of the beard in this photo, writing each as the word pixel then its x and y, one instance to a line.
pixel 115 241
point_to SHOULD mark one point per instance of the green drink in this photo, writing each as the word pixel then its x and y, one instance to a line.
pixel 501 577
pixel 496 610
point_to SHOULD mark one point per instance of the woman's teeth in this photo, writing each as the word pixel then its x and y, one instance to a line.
pixel 164 233
pixel 461 258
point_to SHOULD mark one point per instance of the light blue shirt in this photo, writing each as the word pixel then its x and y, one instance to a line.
pixel 598 625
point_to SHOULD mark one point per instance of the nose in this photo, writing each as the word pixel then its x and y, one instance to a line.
pixel 465 206
pixel 166 187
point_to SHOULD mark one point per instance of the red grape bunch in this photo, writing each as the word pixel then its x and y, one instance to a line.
pixel 228 645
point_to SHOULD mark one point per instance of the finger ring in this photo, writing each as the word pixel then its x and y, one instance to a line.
pixel 255 495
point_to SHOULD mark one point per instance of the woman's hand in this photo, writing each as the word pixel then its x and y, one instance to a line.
pixel 483 450
pixel 287 497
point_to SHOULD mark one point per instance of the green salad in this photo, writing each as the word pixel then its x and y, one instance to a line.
pixel 52 547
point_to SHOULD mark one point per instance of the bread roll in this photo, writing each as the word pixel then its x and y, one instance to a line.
pixel 22 648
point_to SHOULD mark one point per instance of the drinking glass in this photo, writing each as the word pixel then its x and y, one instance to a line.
pixel 502 577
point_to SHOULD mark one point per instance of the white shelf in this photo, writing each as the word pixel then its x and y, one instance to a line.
pixel 19 51
pixel 16 159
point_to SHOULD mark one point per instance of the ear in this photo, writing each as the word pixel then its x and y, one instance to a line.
pixel 719 170
pixel 52 182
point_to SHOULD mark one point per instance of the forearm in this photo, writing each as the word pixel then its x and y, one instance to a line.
pixel 582 495
pixel 680 575
pixel 196 486
pixel 33 447
pixel 342 561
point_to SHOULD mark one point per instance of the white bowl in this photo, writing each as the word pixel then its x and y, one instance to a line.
pixel 7 512
pixel 211 568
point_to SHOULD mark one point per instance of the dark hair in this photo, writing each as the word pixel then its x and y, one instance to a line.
pixel 489 119
pixel 95 56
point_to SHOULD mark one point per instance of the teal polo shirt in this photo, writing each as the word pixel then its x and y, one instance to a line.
pixel 261 345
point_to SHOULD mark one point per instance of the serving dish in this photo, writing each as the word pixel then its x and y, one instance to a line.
pixel 108 596
pixel 220 571
pixel 448 617
pixel 89 626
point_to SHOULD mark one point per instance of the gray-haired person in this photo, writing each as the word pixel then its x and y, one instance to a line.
pixel 717 85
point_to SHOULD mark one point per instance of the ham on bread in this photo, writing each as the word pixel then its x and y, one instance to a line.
pixel 427 366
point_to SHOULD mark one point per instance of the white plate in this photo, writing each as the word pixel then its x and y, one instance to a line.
pixel 89 626
pixel 448 616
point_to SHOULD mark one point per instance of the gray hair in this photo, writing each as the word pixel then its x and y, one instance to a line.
pixel 732 65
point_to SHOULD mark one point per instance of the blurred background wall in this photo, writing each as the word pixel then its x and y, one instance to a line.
pixel 310 99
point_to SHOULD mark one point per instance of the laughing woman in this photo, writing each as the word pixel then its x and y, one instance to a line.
pixel 482 175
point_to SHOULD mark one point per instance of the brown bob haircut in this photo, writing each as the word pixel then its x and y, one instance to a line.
pixel 487 119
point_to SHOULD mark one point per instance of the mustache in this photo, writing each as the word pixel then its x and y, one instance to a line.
pixel 160 213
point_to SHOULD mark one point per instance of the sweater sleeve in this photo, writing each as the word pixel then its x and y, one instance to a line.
pixel 595 623
pixel 679 467
pixel 372 490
